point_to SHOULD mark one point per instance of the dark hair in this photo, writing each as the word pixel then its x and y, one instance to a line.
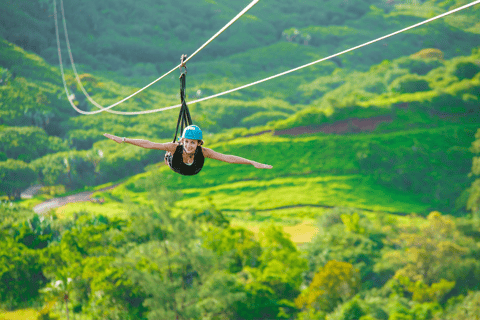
pixel 200 142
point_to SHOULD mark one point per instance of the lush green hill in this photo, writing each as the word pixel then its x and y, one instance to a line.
pixel 424 168
pixel 357 144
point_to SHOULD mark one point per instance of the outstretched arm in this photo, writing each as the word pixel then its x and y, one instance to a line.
pixel 209 153
pixel 170 146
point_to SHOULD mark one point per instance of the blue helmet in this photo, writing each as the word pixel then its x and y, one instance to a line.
pixel 192 132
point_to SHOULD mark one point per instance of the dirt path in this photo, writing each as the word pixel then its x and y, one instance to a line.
pixel 61 201
pixel 352 125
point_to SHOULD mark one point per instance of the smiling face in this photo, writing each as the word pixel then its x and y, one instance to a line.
pixel 190 145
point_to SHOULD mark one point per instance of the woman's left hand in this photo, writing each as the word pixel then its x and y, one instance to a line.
pixel 112 137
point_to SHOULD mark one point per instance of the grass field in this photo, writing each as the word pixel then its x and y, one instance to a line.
pixel 292 202
pixel 24 314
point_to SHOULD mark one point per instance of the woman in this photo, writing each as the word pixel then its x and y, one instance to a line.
pixel 187 156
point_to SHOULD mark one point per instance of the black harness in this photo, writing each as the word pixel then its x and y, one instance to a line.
pixel 184 118
pixel 175 162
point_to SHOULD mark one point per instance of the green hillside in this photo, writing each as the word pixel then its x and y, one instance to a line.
pixel 370 211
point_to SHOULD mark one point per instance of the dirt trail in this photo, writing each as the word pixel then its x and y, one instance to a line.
pixel 352 125
pixel 61 201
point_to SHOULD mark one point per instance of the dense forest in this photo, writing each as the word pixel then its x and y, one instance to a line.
pixel 375 158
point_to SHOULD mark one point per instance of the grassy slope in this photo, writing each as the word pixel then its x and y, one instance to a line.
pixel 311 174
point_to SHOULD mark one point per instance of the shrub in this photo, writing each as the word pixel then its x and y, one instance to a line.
pixel 419 66
pixel 15 176
pixel 429 53
pixel 466 70
pixel 409 84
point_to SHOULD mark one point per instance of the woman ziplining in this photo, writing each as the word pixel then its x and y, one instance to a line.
pixel 186 156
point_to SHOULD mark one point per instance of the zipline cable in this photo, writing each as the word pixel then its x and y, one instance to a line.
pixel 306 65
pixel 102 109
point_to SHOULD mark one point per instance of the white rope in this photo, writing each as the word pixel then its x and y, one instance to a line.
pixel 73 64
pixel 309 64
pixel 102 109
pixel 60 60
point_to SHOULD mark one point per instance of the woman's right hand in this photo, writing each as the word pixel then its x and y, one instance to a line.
pixel 112 137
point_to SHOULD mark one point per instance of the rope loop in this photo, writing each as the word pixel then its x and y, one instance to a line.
pixel 183 60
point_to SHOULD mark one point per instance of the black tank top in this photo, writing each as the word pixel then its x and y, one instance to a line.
pixel 176 163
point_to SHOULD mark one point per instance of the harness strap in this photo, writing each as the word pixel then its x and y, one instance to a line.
pixel 184 118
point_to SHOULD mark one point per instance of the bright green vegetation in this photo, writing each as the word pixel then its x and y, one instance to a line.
pixel 137 265
pixel 19 315
pixel 370 216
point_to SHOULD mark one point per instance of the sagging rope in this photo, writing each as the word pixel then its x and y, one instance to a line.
pixel 305 65
pixel 103 109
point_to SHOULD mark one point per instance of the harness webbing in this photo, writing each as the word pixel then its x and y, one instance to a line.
pixel 184 118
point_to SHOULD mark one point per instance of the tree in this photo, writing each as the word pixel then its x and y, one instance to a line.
pixel 473 202
pixel 82 262
pixel 21 274
pixel 410 83
pixel 432 260
pixel 181 278
pixel 347 235
pixel 72 169
pixel 333 284
pixel 468 309
pixel 420 291
pixel 238 245
pixel 466 70
pixel 28 143
pixel 275 282
pixel 15 176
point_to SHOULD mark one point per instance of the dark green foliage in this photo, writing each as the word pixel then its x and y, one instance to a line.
pixel 410 84
pixel 72 169
pixel 84 139
pixel 469 308
pixel 419 66
pixel 11 214
pixel 20 273
pixel 359 246
pixel 352 311
pixel 15 176
pixel 35 233
pixel 161 28
pixel 473 202
pixel 28 143
pixel 77 169
pixel 466 70
pixel 423 169
pixel 22 234
pixel 237 244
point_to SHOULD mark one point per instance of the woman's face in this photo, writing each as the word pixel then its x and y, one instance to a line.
pixel 190 145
